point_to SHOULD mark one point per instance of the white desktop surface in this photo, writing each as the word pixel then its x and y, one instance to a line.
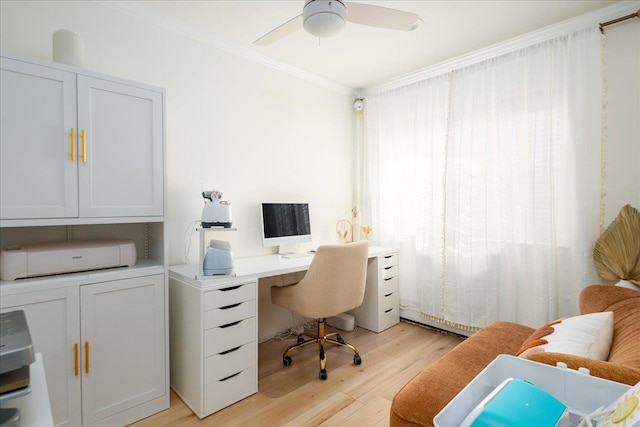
pixel 255 267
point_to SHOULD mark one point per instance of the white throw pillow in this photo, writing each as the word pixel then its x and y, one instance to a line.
pixel 589 335
pixel 627 284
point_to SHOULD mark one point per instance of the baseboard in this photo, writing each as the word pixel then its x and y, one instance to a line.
pixel 434 328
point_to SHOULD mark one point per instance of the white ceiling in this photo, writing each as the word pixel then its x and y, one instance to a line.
pixel 361 56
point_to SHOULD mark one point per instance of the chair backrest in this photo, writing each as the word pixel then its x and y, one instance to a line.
pixel 335 281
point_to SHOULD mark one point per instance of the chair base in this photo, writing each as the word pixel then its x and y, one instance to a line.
pixel 321 339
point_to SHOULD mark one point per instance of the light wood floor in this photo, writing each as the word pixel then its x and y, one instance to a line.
pixel 351 396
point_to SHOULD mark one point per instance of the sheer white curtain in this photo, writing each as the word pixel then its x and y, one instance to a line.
pixel 488 181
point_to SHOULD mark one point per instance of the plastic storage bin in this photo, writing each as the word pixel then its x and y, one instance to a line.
pixel 579 391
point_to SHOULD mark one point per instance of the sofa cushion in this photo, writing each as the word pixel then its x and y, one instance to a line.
pixel 422 398
pixel 598 368
pixel 623 363
pixel 625 305
pixel 589 335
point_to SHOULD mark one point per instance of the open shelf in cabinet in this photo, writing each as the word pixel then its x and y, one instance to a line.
pixel 149 239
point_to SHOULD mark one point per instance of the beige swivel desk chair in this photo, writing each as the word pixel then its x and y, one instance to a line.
pixel 334 283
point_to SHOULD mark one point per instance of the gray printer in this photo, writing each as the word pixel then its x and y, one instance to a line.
pixel 16 354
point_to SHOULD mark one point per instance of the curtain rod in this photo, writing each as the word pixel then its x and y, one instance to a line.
pixel 615 21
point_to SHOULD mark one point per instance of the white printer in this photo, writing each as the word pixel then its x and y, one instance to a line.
pixel 218 259
pixel 44 259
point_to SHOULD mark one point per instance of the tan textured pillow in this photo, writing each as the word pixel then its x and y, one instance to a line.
pixel 589 335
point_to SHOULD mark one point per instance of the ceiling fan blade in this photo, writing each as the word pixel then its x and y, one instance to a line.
pixel 281 32
pixel 381 17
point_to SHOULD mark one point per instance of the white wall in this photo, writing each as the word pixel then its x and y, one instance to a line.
pixel 622 71
pixel 252 132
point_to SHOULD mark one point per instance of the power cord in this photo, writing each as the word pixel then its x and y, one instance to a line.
pixel 294 331
pixel 187 241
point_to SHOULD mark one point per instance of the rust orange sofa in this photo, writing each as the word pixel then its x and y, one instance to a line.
pixel 422 398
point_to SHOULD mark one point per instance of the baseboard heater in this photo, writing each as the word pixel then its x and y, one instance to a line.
pixel 45 259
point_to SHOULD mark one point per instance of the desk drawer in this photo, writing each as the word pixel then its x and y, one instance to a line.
pixel 387 261
pixel 222 393
pixel 387 286
pixel 388 318
pixel 388 272
pixel 223 338
pixel 388 302
pixel 229 314
pixel 228 296
pixel 225 364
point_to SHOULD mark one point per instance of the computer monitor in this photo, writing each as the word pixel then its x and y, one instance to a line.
pixel 285 223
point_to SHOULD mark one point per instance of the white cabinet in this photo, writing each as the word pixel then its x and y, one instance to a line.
pixel 53 318
pixel 120 154
pixel 380 308
pixel 78 145
pixel 82 158
pixel 38 178
pixel 214 349
pixel 103 346
pixel 123 345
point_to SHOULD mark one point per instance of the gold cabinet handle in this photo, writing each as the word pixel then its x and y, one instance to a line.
pixel 86 357
pixel 76 366
pixel 84 146
pixel 73 144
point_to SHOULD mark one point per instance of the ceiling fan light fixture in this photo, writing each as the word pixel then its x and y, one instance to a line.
pixel 324 18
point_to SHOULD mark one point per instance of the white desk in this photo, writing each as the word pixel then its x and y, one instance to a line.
pixel 214 322
pixel 256 267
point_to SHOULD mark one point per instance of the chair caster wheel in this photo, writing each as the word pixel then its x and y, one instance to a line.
pixel 323 374
pixel 339 339
pixel 286 361
pixel 357 360
pixel 300 339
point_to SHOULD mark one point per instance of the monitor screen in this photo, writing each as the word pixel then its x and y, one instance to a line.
pixel 285 223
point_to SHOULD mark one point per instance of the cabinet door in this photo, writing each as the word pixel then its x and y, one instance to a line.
pixel 123 338
pixel 38 170
pixel 121 165
pixel 53 318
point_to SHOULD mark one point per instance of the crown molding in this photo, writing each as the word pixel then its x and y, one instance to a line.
pixel 138 10
pixel 591 19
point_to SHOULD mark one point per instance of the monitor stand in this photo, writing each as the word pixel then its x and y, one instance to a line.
pixel 297 255
pixel 288 249
pixel 292 251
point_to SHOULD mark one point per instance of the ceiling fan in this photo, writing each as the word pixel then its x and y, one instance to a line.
pixel 327 18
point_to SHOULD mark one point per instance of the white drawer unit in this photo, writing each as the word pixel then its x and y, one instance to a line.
pixel 213 365
pixel 380 308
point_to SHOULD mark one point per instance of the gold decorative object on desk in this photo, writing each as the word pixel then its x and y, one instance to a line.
pixel 366 229
pixel 343 227
pixel 355 224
